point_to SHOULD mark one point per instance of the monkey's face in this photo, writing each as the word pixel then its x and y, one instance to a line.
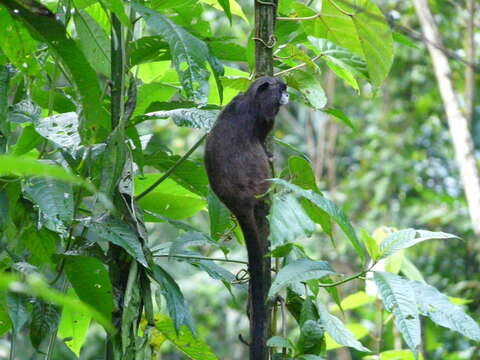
pixel 269 93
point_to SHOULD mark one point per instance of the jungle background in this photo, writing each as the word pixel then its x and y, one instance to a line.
pixel 106 98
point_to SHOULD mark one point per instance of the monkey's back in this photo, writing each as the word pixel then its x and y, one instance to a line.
pixel 236 163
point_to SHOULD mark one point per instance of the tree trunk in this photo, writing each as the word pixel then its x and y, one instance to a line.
pixel 265 15
pixel 458 124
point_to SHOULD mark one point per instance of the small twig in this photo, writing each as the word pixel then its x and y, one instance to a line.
pixel 242 340
pixel 299 66
pixel 356 276
pixel 172 169
pixel 201 258
pixel 271 42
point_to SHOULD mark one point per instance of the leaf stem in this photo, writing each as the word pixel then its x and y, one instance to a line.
pixel 172 169
pixel 356 276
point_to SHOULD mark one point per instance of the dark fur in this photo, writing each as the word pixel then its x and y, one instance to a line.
pixel 237 166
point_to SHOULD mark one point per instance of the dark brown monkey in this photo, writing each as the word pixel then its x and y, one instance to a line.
pixel 237 167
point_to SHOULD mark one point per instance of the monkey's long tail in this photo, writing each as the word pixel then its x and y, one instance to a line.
pixel 258 316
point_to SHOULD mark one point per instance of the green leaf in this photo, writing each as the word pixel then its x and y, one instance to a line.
pixel 189 54
pixel 330 208
pixel 5 74
pixel 298 271
pixel 25 111
pixel 312 338
pixel 193 118
pixel 439 309
pixel 220 216
pixel 91 282
pixel 147 49
pixel 340 58
pixel 28 140
pixel 301 173
pixel 364 31
pixel 184 340
pixel 118 232
pixel 357 330
pixel 17 43
pixel 354 301
pixel 169 198
pixel 337 330
pixel 190 238
pixel 410 270
pixel 45 319
pixel 279 342
pixel 288 221
pixel 177 308
pixel 190 173
pixel 24 166
pixel 62 130
pixel 340 115
pixel 73 327
pixel 225 4
pixel 53 32
pixel 370 244
pixel 408 237
pixel 116 6
pixel 55 201
pixel 151 94
pixel 93 41
pixel 399 298
pixel 17 308
pixel 404 40
pixel 309 85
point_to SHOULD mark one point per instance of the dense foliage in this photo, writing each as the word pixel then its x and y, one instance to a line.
pixel 109 232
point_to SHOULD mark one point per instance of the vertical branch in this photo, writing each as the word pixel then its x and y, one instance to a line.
pixel 470 49
pixel 117 74
pixel 265 14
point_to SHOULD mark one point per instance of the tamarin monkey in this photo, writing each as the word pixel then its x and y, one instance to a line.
pixel 237 166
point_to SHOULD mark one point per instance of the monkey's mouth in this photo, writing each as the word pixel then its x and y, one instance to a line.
pixel 284 98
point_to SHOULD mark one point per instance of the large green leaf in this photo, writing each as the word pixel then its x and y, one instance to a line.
pixel 148 48
pixel 177 308
pixel 169 198
pixel 189 54
pixel 61 129
pixel 309 84
pixel 24 166
pixel 298 271
pixel 93 41
pixel 302 175
pixel 399 298
pixel 184 340
pixel 17 43
pixel 17 308
pixel 337 330
pixel 91 282
pixel 408 237
pixel 118 232
pixel 55 201
pixel 331 209
pixel 360 28
pixel 288 221
pixel 220 216
pixel 73 327
pixel 437 306
pixel 28 140
pixel 53 32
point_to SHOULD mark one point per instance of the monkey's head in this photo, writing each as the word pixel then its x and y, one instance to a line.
pixel 269 93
